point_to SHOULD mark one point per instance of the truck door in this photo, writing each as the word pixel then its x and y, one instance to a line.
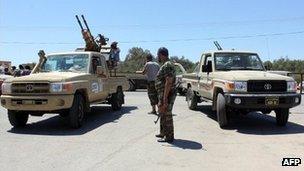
pixel 205 81
pixel 98 82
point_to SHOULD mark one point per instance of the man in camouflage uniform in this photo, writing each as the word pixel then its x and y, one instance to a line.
pixel 150 70
pixel 165 87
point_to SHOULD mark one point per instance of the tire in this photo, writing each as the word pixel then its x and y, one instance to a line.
pixel 64 114
pixel 117 99
pixel 191 99
pixel 132 86
pixel 77 112
pixel 282 116
pixel 181 92
pixel 17 119
pixel 221 111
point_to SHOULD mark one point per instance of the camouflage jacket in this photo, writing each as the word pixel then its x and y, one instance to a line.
pixel 166 70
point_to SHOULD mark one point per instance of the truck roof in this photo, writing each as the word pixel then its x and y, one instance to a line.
pixel 228 51
pixel 73 52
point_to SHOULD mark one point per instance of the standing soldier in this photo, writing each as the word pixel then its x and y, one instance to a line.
pixel 114 54
pixel 165 87
pixel 150 70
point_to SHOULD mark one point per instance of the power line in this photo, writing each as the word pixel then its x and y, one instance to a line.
pixel 161 26
pixel 160 41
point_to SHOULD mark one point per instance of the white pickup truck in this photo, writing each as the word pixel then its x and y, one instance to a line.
pixel 65 83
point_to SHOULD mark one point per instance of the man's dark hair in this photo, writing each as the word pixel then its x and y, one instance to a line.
pixel 163 51
pixel 21 67
pixel 13 68
pixel 149 57
pixel 27 67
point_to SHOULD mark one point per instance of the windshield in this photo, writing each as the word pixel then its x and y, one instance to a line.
pixel 66 63
pixel 237 61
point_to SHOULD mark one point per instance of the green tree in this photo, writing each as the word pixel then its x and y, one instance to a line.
pixel 186 63
pixel 134 61
pixel 268 65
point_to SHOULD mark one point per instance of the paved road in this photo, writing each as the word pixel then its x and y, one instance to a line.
pixel 125 140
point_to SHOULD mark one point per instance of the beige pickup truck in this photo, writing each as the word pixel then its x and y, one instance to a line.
pixel 64 83
pixel 236 82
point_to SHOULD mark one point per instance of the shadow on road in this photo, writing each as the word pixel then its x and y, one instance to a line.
pixel 58 126
pixel 255 123
pixel 186 144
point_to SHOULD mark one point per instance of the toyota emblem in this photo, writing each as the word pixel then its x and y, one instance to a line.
pixel 29 88
pixel 267 87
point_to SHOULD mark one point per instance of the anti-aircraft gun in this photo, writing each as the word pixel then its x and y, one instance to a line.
pixel 92 44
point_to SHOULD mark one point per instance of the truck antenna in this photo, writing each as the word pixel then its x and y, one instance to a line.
pixel 218 46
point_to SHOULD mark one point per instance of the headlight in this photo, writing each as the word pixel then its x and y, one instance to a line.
pixel 240 86
pixel 61 87
pixel 237 86
pixel 6 88
pixel 56 87
pixel 291 86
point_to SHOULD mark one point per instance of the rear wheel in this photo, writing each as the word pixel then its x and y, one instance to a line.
pixel 64 114
pixel 181 91
pixel 76 113
pixel 117 99
pixel 17 119
pixel 221 110
pixel 191 99
pixel 282 116
pixel 132 86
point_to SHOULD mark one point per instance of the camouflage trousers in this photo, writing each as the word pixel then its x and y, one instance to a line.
pixel 152 93
pixel 166 120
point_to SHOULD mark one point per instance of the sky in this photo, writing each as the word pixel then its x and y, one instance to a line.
pixel 272 28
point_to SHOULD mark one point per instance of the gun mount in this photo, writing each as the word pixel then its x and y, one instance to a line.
pixel 92 44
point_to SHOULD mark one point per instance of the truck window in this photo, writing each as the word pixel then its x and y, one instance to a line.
pixel 66 62
pixel 95 62
pixel 237 61
pixel 208 59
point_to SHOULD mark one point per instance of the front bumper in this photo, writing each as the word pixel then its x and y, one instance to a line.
pixel 37 103
pixel 258 101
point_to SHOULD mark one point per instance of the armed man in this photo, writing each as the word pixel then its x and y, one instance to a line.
pixel 165 87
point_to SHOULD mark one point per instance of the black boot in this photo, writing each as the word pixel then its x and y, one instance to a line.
pixel 160 136
pixel 166 139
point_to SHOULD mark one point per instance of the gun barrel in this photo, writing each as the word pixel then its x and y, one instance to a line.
pixel 218 46
pixel 79 22
pixel 85 23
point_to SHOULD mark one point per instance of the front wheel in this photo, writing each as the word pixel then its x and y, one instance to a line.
pixel 17 119
pixel 282 116
pixel 181 91
pixel 117 99
pixel 76 112
pixel 221 110
pixel 191 99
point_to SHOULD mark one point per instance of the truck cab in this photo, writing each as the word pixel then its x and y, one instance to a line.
pixel 237 82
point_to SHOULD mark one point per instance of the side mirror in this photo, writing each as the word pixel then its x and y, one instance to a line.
pixel 207 68
pixel 100 70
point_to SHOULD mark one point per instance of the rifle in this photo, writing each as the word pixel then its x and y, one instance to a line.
pixel 91 44
pixel 160 114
